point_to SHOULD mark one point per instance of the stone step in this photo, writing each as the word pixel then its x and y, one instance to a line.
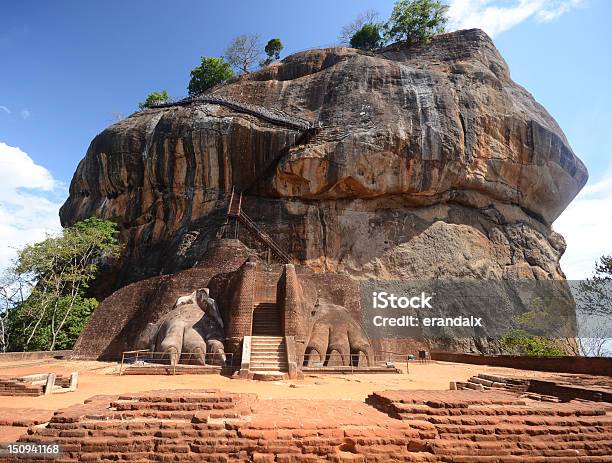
pixel 280 368
pixel 268 360
pixel 269 351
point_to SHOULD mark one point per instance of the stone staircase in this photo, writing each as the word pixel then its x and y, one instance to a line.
pixel 268 349
pixel 268 354
pixel 266 320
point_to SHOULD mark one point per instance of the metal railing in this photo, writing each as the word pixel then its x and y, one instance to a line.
pixel 153 359
pixel 272 115
pixel 354 362
pixel 234 209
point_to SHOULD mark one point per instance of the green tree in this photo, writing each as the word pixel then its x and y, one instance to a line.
pixel 416 21
pixel 154 98
pixel 272 49
pixel 244 52
pixel 594 309
pixel 55 273
pixel 519 342
pixel 538 332
pixel 349 30
pixel 367 38
pixel 210 72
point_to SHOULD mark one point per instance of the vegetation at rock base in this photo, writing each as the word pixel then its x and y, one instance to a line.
pixel 154 98
pixel 367 38
pixel 210 72
pixel 43 297
pixel 244 52
pixel 519 342
pixel 536 332
pixel 594 305
pixel 272 49
pixel 416 21
pixel 540 331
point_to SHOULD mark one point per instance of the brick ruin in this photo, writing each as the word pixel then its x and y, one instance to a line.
pixel 417 426
pixel 38 384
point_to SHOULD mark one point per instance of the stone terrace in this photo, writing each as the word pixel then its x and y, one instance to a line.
pixel 423 426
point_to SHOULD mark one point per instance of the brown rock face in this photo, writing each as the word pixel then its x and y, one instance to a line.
pixel 430 162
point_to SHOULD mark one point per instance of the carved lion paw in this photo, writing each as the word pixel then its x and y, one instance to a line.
pixel 336 337
pixel 193 327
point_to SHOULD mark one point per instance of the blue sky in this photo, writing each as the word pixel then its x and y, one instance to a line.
pixel 67 67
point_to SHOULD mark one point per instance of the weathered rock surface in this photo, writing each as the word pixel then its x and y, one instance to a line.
pixel 430 162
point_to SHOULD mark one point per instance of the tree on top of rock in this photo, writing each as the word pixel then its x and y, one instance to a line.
pixel 416 21
pixel 272 49
pixel 244 52
pixel 154 98
pixel 348 31
pixel 368 37
pixel 210 72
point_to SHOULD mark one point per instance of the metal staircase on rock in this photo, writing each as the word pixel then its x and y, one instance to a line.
pixel 235 211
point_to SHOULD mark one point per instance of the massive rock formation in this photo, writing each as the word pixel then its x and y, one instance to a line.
pixel 424 162
pixel 430 161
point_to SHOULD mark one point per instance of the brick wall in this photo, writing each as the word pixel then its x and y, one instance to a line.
pixel 585 365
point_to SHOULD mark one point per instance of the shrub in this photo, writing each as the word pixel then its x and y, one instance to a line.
pixel 154 98
pixel 416 20
pixel 210 72
pixel 367 38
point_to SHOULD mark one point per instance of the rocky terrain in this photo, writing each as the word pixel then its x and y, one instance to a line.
pixel 429 161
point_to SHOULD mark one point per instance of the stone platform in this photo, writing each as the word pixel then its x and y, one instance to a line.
pixel 416 426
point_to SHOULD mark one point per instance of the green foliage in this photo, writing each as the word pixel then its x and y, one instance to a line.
pixel 55 273
pixel 368 37
pixel 76 313
pixel 210 72
pixel 154 98
pixel 273 49
pixel 520 342
pixel 534 330
pixel 416 21
pixel 594 294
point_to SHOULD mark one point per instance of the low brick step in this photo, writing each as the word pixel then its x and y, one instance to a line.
pixel 171 406
pixel 552 432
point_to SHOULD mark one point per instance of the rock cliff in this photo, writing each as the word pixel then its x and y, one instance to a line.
pixel 427 162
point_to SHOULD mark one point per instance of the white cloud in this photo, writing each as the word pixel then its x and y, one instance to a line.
pixel 24 113
pixel 495 16
pixel 587 226
pixel 5 109
pixel 28 204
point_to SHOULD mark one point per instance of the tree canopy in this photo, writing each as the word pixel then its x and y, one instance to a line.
pixel 349 30
pixel 416 21
pixel 43 297
pixel 367 38
pixel 272 49
pixel 154 98
pixel 210 72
